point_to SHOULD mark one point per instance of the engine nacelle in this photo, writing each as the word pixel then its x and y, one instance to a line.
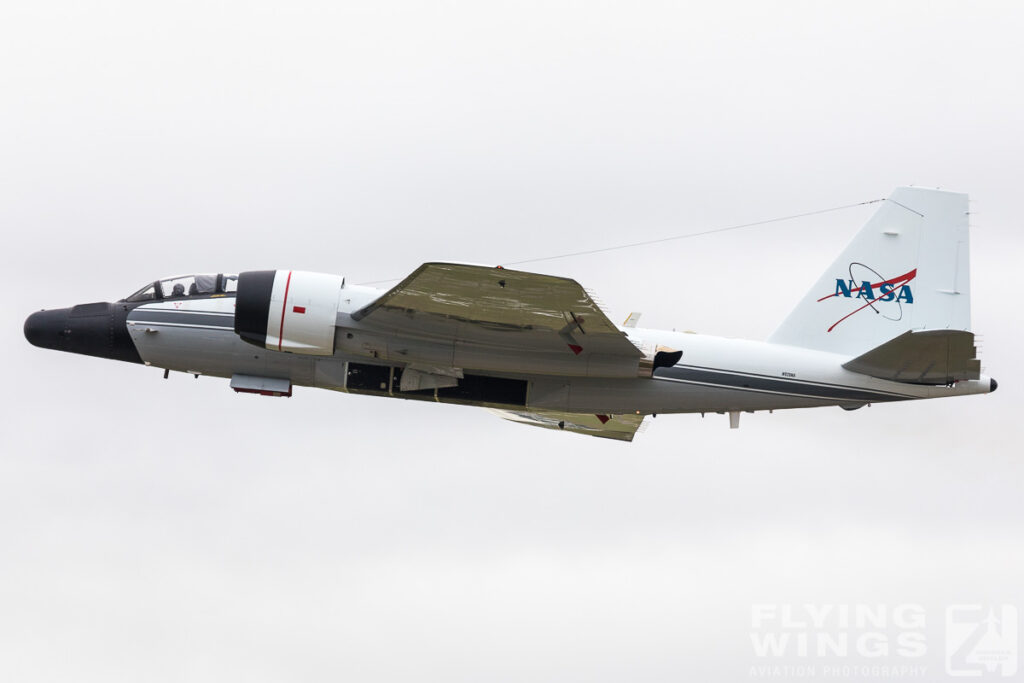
pixel 288 310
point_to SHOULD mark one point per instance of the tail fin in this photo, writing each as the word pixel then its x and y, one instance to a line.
pixel 907 269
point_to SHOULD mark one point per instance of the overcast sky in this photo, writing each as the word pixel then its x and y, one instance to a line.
pixel 156 530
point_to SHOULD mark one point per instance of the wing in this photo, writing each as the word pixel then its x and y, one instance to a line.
pixel 482 307
pixel 618 427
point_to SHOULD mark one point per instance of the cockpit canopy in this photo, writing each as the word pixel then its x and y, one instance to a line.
pixel 184 286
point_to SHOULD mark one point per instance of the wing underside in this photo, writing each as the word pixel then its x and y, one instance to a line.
pixel 618 427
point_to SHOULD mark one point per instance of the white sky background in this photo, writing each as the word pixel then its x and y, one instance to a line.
pixel 171 530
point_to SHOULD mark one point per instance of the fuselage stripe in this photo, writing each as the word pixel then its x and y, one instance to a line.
pixel 182 311
pixel 745 389
pixel 194 317
pixel 775 379
pixel 162 323
pixel 760 384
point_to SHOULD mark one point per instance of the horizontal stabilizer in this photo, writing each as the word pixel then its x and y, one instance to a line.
pixel 925 357
pixel 618 427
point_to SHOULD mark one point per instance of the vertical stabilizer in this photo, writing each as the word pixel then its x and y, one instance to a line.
pixel 907 269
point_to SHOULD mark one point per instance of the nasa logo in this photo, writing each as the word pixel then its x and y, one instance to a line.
pixel 886 291
pixel 868 285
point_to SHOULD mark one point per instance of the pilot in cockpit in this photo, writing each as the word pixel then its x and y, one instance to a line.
pixel 178 290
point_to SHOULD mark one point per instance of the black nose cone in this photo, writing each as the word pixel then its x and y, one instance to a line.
pixel 48 329
pixel 92 329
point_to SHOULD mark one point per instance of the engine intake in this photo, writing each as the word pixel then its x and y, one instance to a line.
pixel 288 310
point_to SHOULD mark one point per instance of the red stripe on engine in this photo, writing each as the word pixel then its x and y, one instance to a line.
pixel 284 308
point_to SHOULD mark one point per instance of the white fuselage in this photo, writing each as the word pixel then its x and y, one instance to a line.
pixel 715 374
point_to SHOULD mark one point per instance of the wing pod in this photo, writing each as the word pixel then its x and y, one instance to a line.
pixel 288 310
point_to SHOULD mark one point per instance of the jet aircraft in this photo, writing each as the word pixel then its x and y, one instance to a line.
pixel 889 320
